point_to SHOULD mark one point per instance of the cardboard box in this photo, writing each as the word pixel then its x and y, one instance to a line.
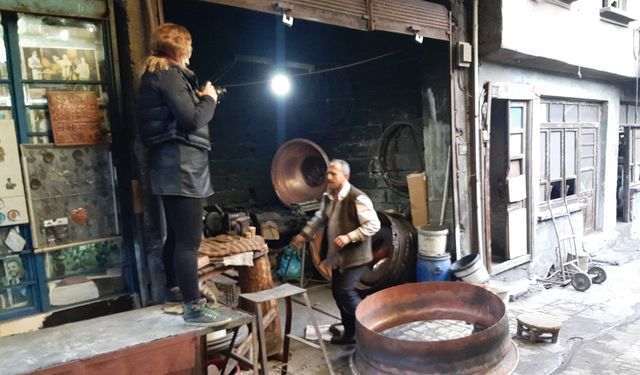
pixel 417 183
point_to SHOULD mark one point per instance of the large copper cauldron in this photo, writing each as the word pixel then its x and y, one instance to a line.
pixel 486 351
pixel 297 171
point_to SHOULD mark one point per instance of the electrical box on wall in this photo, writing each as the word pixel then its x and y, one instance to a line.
pixel 464 54
pixel 13 206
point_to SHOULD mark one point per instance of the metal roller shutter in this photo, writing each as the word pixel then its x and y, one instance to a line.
pixel 399 16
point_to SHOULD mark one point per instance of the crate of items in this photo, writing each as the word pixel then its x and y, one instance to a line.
pixel 228 290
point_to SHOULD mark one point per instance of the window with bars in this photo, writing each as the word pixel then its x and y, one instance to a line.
pixel 568 150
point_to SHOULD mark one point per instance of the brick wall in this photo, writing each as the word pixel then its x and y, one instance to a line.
pixel 344 111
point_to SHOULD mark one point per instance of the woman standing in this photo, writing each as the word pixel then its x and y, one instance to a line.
pixel 174 116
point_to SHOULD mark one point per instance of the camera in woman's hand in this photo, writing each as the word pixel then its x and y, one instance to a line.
pixel 220 91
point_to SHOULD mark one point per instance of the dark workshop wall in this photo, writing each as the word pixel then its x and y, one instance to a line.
pixel 345 111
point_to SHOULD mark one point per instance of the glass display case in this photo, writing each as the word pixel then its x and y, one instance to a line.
pixel 16 285
pixel 58 54
pixel 71 194
pixel 84 272
pixel 74 252
pixel 60 49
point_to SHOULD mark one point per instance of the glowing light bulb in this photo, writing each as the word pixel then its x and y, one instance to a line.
pixel 280 84
pixel 64 35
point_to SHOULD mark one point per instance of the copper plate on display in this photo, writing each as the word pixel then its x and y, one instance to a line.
pixel 80 216
pixel 75 118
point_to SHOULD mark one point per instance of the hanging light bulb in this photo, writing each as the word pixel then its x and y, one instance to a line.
pixel 280 84
pixel 64 35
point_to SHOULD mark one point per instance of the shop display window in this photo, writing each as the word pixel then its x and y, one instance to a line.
pixel 39 122
pixel 60 49
pixel 5 96
pixel 4 73
pixel 6 114
pixel 36 94
pixel 57 54
pixel 74 252
pixel 71 194
pixel 85 272
pixel 15 284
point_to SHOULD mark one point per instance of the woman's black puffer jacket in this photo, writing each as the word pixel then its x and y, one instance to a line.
pixel 174 125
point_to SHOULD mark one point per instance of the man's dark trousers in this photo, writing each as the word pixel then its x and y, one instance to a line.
pixel 343 287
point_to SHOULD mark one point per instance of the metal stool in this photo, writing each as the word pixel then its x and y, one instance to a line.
pixel 284 291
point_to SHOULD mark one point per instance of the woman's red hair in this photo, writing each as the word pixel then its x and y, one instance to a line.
pixel 170 43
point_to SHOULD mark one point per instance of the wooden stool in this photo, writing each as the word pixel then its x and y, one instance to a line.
pixel 285 291
pixel 535 325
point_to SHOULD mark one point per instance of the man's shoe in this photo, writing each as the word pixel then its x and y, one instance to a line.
pixel 173 295
pixel 343 339
pixel 201 313
pixel 334 330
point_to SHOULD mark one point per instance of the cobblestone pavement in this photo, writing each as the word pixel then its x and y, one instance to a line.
pixel 600 333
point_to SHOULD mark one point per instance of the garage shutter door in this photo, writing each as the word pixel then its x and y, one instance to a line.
pixel 398 16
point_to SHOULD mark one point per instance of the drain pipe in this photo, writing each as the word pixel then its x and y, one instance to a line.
pixel 477 142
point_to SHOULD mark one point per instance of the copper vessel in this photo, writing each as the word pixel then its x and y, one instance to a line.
pixel 489 350
pixel 297 171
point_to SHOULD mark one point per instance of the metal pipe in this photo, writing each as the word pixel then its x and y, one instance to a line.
pixel 477 136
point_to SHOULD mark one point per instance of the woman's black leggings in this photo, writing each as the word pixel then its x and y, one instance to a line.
pixel 184 232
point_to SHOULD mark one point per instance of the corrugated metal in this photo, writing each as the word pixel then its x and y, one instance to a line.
pixel 399 15
pixel 85 8
pixel 388 15
pixel 352 7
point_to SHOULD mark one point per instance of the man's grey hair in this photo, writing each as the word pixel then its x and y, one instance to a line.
pixel 344 166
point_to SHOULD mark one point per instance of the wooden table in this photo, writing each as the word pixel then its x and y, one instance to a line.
pixel 142 341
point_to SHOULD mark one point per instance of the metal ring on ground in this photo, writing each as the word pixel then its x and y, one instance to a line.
pixel 489 350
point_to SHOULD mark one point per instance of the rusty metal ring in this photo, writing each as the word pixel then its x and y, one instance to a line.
pixel 486 351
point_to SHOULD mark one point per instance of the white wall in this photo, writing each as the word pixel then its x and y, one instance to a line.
pixel 576 36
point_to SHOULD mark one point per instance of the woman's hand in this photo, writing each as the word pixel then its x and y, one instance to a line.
pixel 209 90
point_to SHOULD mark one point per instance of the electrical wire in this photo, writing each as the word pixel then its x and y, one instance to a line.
pixel 397 183
pixel 253 83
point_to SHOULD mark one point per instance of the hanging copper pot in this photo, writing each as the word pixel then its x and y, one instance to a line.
pixel 297 171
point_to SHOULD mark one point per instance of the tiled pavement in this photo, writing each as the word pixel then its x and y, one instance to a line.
pixel 600 334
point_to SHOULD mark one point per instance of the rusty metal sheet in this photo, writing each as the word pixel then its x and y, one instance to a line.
pixel 75 118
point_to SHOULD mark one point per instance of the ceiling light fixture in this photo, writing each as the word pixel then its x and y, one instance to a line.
pixel 280 84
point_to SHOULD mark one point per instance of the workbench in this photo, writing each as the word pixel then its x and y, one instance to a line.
pixel 142 341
